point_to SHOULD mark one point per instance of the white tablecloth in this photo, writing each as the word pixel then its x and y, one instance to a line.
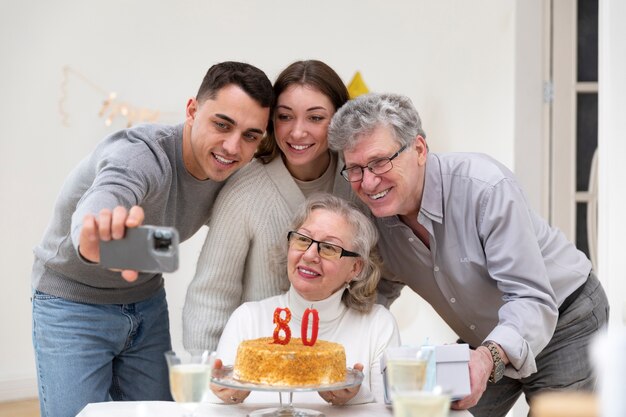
pixel 171 409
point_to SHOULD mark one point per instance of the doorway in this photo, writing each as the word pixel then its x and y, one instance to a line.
pixel 574 122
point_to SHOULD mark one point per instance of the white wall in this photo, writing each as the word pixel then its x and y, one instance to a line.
pixel 455 59
pixel 531 149
pixel 611 154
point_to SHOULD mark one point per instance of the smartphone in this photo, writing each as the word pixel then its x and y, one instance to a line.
pixel 143 248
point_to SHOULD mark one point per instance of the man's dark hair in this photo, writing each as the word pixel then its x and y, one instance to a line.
pixel 249 78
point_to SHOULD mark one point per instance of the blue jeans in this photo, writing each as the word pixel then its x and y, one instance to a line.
pixel 99 352
pixel 564 364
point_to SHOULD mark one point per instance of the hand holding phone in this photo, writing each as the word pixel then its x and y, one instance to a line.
pixel 143 248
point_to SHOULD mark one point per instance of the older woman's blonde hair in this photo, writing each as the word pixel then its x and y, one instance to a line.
pixel 361 293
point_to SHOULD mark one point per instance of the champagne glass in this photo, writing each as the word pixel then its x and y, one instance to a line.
pixel 190 377
pixel 421 403
pixel 406 369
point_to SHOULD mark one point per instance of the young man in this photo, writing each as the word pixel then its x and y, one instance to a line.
pixel 97 336
pixel 457 229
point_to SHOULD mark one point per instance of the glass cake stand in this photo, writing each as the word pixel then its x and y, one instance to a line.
pixel 224 377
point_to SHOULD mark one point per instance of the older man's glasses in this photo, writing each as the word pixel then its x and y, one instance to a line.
pixel 326 250
pixel 377 167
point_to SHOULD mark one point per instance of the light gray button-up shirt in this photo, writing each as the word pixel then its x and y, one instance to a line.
pixel 495 270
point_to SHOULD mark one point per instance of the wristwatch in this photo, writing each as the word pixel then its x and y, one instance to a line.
pixel 498 364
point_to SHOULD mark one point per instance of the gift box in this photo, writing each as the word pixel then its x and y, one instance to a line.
pixel 453 369
pixel 448 367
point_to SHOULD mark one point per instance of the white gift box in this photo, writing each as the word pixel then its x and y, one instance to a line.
pixel 453 369
pixel 448 368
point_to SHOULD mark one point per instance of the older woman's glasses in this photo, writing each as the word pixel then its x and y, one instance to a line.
pixel 377 167
pixel 326 250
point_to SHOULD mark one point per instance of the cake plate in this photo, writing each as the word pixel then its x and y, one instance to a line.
pixel 224 377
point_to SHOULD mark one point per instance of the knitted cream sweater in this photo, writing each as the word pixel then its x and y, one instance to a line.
pixel 250 219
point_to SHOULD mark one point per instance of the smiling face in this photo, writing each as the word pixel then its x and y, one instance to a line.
pixel 398 191
pixel 316 278
pixel 301 120
pixel 222 134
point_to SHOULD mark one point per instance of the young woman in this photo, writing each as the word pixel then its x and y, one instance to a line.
pixel 254 208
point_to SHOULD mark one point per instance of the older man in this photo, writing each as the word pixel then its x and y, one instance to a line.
pixel 457 229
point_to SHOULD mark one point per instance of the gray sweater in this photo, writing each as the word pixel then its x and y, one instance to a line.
pixel 137 166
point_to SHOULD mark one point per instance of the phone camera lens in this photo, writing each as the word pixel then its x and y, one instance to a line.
pixel 162 239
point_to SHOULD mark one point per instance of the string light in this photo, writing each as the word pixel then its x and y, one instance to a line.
pixel 111 107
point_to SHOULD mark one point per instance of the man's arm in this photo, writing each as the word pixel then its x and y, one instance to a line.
pixel 108 225
pixel 481 366
pixel 527 319
pixel 388 290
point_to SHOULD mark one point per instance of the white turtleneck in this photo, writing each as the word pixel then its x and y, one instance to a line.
pixel 365 336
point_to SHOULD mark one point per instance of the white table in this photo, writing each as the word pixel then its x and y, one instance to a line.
pixel 171 409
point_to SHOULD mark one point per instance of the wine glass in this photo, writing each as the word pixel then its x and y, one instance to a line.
pixel 190 377
pixel 406 369
pixel 433 403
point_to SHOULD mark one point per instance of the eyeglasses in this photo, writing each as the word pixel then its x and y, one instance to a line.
pixel 326 250
pixel 377 167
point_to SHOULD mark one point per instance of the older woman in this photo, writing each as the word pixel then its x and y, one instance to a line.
pixel 331 265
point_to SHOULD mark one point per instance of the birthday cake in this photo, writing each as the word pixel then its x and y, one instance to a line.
pixel 293 364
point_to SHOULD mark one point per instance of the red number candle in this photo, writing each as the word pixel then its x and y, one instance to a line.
pixel 304 331
pixel 282 324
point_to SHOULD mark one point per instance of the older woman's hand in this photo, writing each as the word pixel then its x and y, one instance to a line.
pixel 228 395
pixel 342 396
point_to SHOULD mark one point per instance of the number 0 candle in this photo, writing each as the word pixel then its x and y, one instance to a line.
pixel 304 331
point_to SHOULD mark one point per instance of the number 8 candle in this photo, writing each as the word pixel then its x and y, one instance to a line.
pixel 282 324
